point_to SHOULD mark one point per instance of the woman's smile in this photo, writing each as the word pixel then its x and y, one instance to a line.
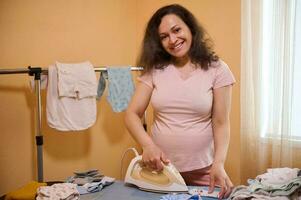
pixel 175 36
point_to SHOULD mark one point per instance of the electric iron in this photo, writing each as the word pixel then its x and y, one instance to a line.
pixel 166 181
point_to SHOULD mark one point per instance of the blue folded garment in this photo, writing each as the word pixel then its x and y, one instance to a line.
pixel 178 197
pixel 95 186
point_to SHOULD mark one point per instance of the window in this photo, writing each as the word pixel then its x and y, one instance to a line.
pixel 296 104
pixel 280 70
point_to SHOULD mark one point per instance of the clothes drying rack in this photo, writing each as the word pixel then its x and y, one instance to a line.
pixel 36 72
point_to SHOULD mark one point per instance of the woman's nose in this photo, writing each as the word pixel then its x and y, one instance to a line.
pixel 172 39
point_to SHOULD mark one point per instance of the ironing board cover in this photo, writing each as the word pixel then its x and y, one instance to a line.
pixel 118 191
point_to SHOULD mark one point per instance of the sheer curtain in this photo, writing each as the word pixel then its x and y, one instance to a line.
pixel 270 86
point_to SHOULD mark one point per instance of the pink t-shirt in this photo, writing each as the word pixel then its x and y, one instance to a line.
pixel 182 125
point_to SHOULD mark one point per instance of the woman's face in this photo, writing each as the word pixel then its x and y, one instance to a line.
pixel 175 36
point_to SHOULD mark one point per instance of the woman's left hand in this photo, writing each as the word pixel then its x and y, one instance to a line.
pixel 219 176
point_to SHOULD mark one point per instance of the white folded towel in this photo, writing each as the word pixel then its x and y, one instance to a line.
pixel 76 80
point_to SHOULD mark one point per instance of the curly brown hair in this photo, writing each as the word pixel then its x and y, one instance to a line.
pixel 153 55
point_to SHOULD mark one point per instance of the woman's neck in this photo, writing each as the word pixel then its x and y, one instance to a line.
pixel 181 62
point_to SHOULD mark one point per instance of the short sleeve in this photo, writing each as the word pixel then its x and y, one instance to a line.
pixel 223 75
pixel 146 79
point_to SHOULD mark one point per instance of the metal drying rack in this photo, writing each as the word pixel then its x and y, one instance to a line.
pixel 36 72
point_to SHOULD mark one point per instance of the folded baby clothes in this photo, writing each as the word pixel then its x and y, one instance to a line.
pixel 276 184
pixel 180 197
pixel 71 103
pixel 90 172
pixel 285 189
pixel 83 177
pixel 242 192
pixel 58 191
pixel 278 175
pixel 121 87
pixel 95 186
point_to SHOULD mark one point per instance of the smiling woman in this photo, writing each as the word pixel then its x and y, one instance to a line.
pixel 175 36
pixel 39 33
pixel 191 125
pixel 166 32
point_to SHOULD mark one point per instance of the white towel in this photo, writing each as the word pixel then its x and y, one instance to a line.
pixel 76 80
pixel 71 111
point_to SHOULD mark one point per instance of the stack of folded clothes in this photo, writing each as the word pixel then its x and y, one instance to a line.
pixel 59 191
pixel 276 184
pixel 83 177
pixel 95 186
pixel 90 181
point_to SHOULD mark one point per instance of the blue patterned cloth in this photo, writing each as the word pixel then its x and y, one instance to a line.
pixel 121 87
pixel 180 197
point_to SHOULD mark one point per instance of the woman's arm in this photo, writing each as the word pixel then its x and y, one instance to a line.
pixel 152 155
pixel 221 134
pixel 135 111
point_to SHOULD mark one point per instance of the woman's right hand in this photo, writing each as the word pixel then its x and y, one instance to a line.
pixel 153 157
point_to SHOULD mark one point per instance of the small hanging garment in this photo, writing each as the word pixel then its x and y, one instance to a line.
pixel 121 87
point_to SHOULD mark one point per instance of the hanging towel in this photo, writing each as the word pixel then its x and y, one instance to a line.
pixel 75 109
pixel 76 80
pixel 121 87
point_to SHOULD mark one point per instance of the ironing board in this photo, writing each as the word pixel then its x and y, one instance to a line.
pixel 119 191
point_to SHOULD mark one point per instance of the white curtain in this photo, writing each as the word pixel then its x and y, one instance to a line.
pixel 270 130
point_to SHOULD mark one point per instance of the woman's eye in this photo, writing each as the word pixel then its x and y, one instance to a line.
pixel 177 30
pixel 163 37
